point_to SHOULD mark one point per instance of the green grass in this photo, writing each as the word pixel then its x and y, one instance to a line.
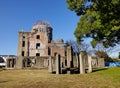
pixel 101 78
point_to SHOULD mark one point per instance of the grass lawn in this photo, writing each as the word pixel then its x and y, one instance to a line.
pixel 107 78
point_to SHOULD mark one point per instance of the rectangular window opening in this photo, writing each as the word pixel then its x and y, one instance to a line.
pixel 24 36
pixel 37 45
pixel 37 54
pixel 22 53
pixel 23 43
pixel 49 51
pixel 38 37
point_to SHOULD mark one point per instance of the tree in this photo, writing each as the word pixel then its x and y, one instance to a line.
pixel 119 55
pixel 102 52
pixel 108 51
pixel 99 19
pixel 77 48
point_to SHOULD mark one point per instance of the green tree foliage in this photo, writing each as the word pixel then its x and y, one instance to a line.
pixel 119 55
pixel 99 19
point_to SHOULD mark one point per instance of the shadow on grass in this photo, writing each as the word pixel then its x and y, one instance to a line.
pixel 3 81
pixel 2 69
pixel 99 69
pixel 77 71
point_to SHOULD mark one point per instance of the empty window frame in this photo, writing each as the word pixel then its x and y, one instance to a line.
pixel 37 45
pixel 23 53
pixel 24 35
pixel 49 51
pixel 55 53
pixel 37 36
pixel 23 43
pixel 37 54
pixel 42 29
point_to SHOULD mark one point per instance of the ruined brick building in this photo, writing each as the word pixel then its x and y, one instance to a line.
pixel 39 41
pixel 36 49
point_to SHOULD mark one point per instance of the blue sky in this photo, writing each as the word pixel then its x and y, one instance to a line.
pixel 16 15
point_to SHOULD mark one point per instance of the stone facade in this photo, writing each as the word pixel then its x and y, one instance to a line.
pixel 39 41
pixel 36 48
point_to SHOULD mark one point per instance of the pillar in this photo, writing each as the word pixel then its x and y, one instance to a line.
pixel 89 64
pixel 81 62
pixel 8 63
pixel 26 61
pixel 69 57
pixel 101 62
pixel 19 62
pixel 77 60
pixel 58 71
pixel 11 63
pixel 50 65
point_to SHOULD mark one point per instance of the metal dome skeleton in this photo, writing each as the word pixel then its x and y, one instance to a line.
pixel 43 23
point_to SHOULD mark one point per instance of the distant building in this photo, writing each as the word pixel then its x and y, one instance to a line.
pixel 2 62
pixel 3 59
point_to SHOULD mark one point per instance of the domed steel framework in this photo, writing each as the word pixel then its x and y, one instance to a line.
pixel 42 22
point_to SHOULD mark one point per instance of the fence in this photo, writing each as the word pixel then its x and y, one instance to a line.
pixel 112 64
